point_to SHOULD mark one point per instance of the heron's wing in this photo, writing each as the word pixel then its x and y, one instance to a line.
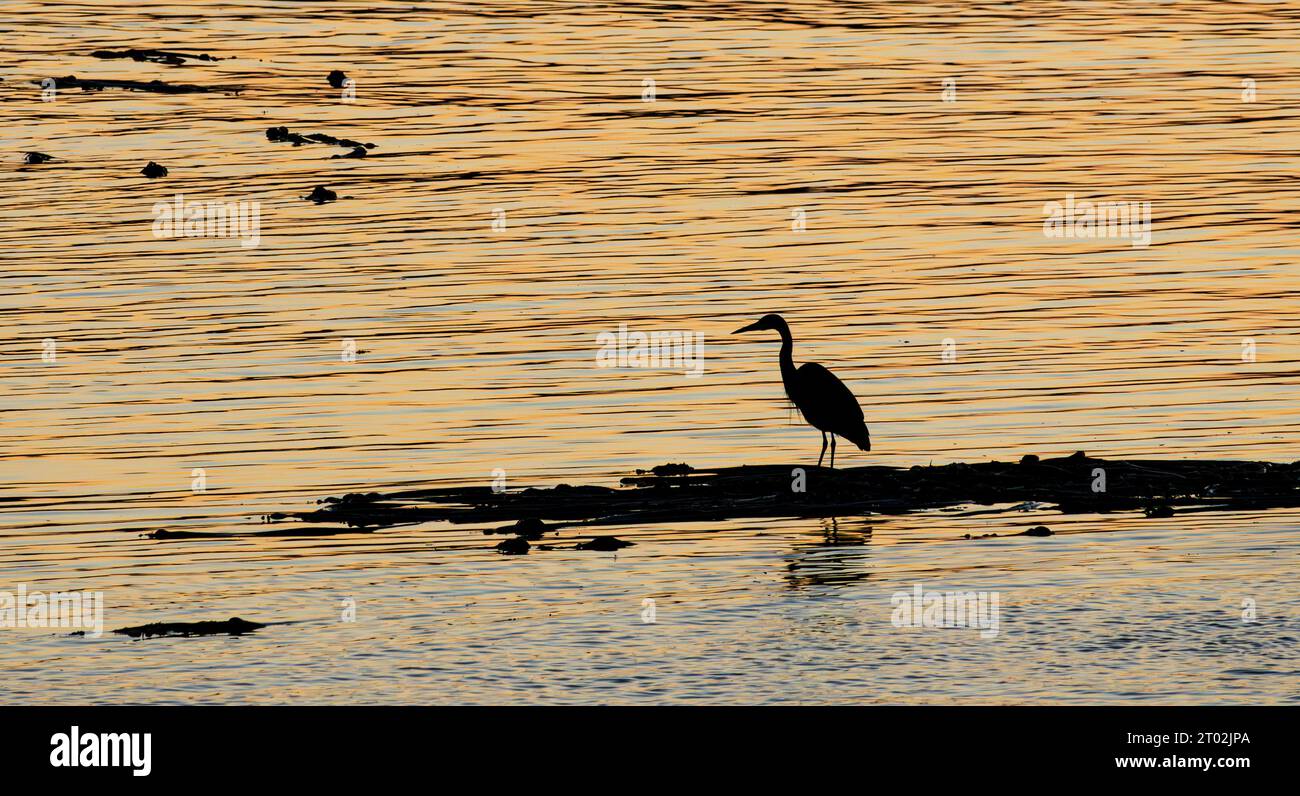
pixel 824 399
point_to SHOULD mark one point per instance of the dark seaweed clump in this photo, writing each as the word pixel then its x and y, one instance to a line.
pixel 233 626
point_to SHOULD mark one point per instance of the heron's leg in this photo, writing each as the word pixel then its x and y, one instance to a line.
pixel 819 458
pixel 832 451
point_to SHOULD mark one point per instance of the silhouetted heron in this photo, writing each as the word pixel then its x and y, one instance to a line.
pixel 822 398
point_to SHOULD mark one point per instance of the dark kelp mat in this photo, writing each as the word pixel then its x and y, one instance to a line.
pixel 168 57
pixel 679 493
pixel 233 627
pixel 152 86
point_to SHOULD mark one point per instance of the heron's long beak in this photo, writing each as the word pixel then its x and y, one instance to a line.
pixel 748 328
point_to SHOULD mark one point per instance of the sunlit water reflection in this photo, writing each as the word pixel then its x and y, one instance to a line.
pixel 797 158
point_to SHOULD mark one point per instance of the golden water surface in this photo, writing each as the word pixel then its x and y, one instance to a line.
pixel 546 171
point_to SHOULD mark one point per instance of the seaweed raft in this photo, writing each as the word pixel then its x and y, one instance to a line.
pixel 679 493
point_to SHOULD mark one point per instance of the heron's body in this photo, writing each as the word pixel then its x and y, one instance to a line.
pixel 823 400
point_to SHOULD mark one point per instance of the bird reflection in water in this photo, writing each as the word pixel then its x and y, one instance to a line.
pixel 838 556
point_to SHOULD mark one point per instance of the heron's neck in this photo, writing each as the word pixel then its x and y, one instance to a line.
pixel 787 356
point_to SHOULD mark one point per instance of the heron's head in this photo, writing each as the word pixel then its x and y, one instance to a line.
pixel 769 321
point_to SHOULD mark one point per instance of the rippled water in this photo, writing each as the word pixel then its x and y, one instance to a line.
pixel 796 157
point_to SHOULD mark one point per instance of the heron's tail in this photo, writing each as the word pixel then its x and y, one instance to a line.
pixel 860 437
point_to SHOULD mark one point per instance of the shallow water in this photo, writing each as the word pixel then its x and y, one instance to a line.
pixel 922 222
